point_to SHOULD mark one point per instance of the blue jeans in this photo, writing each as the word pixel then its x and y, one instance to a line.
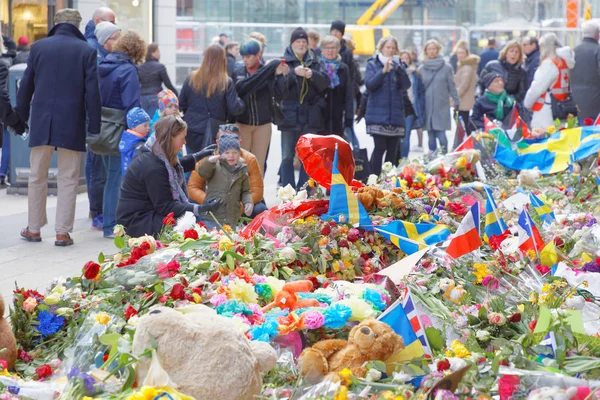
pixel 112 164
pixel 350 135
pixel 5 161
pixel 439 136
pixel 408 124
pixel 95 178
pixel 288 151
pixel 149 103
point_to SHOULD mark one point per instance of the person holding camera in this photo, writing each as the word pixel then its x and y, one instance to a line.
pixel 386 81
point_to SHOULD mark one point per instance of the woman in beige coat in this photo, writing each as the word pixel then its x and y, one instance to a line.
pixel 466 81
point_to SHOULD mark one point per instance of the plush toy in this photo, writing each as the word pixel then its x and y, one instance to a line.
pixel 529 177
pixel 368 341
pixel 552 393
pixel 204 354
pixel 8 344
pixel 287 297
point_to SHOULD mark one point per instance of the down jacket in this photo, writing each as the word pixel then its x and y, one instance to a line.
pixel 197 183
pixel 386 99
pixel 465 79
pixel 544 78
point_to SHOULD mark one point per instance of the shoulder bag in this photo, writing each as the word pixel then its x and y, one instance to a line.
pixel 111 129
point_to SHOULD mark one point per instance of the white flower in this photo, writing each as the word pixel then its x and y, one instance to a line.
pixel 401 377
pixel 456 363
pixel 286 193
pixel 65 312
pixel 482 335
pixel 373 375
pixel 387 167
pixel 185 222
pixel 461 322
pixel 288 254
pixel 133 321
pixel 372 180
pixel 301 195
pixel 119 230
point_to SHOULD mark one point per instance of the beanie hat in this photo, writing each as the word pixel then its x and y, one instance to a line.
pixel 165 98
pixel 136 116
pixel 104 30
pixel 489 78
pixel 23 41
pixel 339 25
pixel 299 33
pixel 229 141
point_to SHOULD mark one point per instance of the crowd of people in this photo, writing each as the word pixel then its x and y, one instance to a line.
pixel 151 150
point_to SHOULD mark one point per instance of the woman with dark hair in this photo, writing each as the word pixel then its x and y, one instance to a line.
pixel 208 94
pixel 153 75
pixel 154 183
pixel 120 91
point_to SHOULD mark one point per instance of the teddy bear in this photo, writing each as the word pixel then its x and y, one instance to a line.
pixel 287 297
pixel 8 343
pixel 205 355
pixel 368 341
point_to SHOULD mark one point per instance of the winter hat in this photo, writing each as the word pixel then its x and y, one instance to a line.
pixel 228 141
pixel 136 116
pixel 489 78
pixel 339 25
pixel 299 33
pixel 104 30
pixel 23 41
pixel 165 98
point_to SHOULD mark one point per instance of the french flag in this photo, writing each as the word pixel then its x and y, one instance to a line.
pixel 529 236
pixel 466 239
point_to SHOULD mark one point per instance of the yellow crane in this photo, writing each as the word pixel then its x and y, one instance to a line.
pixel 365 37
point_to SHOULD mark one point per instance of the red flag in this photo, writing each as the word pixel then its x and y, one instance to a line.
pixel 597 121
pixel 517 123
pixel 488 125
pixel 468 144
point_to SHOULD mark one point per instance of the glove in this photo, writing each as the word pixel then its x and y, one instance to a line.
pixel 19 128
pixel 208 205
pixel 248 209
pixel 205 152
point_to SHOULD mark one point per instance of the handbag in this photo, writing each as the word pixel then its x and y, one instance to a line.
pixel 362 167
pixel 562 109
pixel 211 129
pixel 112 126
pixel 276 106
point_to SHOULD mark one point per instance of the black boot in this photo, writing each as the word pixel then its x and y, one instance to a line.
pixel 4 182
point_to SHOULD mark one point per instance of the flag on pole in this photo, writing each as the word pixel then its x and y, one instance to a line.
pixel 597 120
pixel 410 237
pixel 396 318
pixel 517 126
pixel 466 239
pixel 490 127
pixel 529 236
pixel 544 211
pixel 494 224
pixel 344 206
pixel 415 322
pixel 549 257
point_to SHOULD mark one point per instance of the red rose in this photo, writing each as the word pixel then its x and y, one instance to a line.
pixel 343 243
pixel 558 242
pixel 178 292
pixel 136 254
pixel 507 385
pixel 91 270
pixel 457 208
pixel 443 365
pixel 532 325
pixel 163 299
pixel 542 269
pixel 496 240
pixel 169 220
pixel 43 371
pixel 503 363
pixel 130 312
pixel 588 121
pixel 197 290
pixel 24 356
pixel 190 234
pixel 516 317
pixel 3 365
pixel 315 282
pixel 105 357
pixel 325 230
pixel 214 277
pixel 145 246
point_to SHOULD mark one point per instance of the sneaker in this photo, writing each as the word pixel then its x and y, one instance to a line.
pixel 109 236
pixel 97 222
pixel 417 149
pixel 4 182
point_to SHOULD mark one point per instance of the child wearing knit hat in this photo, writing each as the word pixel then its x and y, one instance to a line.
pixel 138 122
pixel 227 179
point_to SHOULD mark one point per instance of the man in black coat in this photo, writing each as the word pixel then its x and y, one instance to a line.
pixel 338 28
pixel 531 48
pixel 62 73
pixel 303 104
pixel 585 76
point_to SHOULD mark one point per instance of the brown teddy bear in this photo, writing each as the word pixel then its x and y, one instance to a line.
pixel 8 344
pixel 368 341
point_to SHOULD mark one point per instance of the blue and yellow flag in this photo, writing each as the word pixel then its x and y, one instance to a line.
pixel 494 224
pixel 344 206
pixel 552 154
pixel 396 318
pixel 410 237
pixel 544 211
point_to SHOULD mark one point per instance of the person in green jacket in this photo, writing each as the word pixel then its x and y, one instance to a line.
pixel 227 179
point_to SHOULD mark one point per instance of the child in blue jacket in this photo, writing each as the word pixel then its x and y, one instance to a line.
pixel 138 122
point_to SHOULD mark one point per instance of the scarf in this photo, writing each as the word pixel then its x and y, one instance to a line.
pixel 501 100
pixel 383 59
pixel 176 179
pixel 332 67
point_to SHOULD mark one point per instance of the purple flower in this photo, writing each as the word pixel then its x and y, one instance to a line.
pixel 591 267
pixel 428 209
pixel 591 221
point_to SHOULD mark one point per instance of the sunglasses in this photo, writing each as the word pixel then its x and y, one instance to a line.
pixel 229 128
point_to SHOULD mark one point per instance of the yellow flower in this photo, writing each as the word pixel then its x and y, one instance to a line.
pixel 521 308
pixel 447 184
pixel 461 162
pixel 533 297
pixel 481 271
pixel 346 376
pixel 551 129
pixel 227 228
pixel 342 394
pixel 225 244
pixel 546 288
pixel 424 217
pixel 52 299
pixel 388 395
pixel 459 349
pixel 103 318
pixel 311 183
pixel 585 284
pixel 197 298
pixel 149 392
pixel 243 291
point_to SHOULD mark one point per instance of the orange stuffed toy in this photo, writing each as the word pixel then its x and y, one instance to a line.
pixel 288 299
pixel 8 344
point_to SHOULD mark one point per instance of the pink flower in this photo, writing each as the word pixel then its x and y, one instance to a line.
pixel 425 321
pixel 496 319
pixel 491 283
pixel 218 299
pixel 30 304
pixel 313 319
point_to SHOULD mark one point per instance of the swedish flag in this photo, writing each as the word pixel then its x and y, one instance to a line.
pixel 552 154
pixel 544 211
pixel 494 224
pixel 344 206
pixel 410 237
pixel 598 182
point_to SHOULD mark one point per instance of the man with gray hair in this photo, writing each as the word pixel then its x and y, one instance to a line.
pixel 62 80
pixel 585 76
pixel 103 14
